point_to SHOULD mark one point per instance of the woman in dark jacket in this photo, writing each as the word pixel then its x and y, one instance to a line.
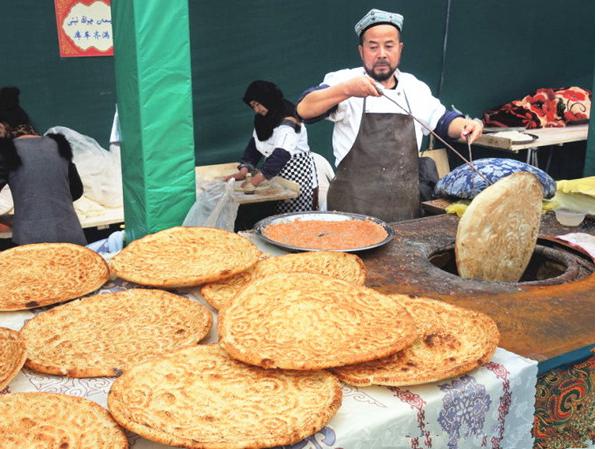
pixel 43 180
pixel 280 139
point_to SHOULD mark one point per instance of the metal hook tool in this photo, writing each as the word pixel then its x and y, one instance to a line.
pixel 381 90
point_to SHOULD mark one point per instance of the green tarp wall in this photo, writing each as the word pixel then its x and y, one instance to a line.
pixel 498 50
pixel 154 91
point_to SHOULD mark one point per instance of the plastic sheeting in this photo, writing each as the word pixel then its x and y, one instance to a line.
pixel 100 170
pixel 154 91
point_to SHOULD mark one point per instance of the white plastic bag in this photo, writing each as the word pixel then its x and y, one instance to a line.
pixel 215 206
pixel 99 169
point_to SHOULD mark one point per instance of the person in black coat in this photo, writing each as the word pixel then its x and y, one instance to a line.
pixel 42 177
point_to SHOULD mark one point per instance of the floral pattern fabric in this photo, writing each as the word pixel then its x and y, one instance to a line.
pixel 545 108
pixel 564 407
pixel 463 182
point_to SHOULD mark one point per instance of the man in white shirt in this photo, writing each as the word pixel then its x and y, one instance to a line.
pixel 375 143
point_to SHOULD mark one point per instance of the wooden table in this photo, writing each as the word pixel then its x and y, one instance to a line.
pixel 545 137
pixel 101 221
pixel 279 189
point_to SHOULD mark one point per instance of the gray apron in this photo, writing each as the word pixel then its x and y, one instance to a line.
pixel 380 174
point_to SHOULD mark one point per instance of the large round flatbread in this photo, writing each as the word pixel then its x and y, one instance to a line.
pixel 185 257
pixel 45 420
pixel 496 236
pixel 41 274
pixel 106 334
pixel 201 398
pixel 344 266
pixel 451 342
pixel 307 321
pixel 12 355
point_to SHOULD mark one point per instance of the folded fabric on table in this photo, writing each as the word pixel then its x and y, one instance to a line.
pixel 463 182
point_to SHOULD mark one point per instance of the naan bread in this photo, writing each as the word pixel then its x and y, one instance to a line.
pixel 201 398
pixel 451 342
pixel 45 420
pixel 41 274
pixel 185 257
pixel 106 334
pixel 12 355
pixel 497 234
pixel 344 266
pixel 307 321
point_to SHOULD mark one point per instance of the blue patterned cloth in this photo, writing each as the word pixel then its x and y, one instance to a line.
pixel 462 182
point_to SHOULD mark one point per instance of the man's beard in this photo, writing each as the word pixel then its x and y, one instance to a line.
pixel 381 76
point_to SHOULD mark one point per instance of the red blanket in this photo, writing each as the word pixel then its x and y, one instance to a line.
pixel 546 108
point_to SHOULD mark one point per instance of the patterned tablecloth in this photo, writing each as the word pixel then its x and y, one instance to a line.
pixel 491 407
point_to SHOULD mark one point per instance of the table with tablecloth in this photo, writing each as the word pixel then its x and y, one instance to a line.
pixel 491 407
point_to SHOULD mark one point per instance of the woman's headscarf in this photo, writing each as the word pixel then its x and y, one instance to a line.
pixel 12 114
pixel 271 97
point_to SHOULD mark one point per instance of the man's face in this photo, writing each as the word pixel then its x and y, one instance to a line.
pixel 380 51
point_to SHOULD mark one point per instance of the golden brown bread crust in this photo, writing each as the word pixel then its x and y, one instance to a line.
pixel 29 420
pixel 41 274
pixel 106 334
pixel 12 355
pixel 496 236
pixel 184 257
pixel 200 398
pixel 307 321
pixel 344 266
pixel 452 341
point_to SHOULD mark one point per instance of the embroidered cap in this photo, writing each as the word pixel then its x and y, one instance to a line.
pixel 376 16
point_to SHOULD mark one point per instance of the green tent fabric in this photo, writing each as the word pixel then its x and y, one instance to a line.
pixel 154 97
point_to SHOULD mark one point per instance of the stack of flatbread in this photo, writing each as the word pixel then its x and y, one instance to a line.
pixel 105 334
pixel 12 355
pixel 282 321
pixel 344 266
pixel 201 398
pixel 41 274
pixel 29 420
pixel 308 321
pixel 451 341
pixel 185 257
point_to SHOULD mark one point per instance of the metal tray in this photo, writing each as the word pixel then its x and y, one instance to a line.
pixel 324 216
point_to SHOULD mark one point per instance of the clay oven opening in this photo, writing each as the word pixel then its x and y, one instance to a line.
pixel 551 263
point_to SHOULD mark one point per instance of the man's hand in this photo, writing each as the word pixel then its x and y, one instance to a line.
pixel 464 128
pixel 320 101
pixel 471 131
pixel 361 86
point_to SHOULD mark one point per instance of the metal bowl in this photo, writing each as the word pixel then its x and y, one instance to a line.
pixel 321 216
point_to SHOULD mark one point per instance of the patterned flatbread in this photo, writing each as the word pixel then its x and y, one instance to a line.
pixel 452 341
pixel 106 334
pixel 45 420
pixel 497 234
pixel 307 321
pixel 41 274
pixel 201 398
pixel 344 266
pixel 12 355
pixel 185 257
